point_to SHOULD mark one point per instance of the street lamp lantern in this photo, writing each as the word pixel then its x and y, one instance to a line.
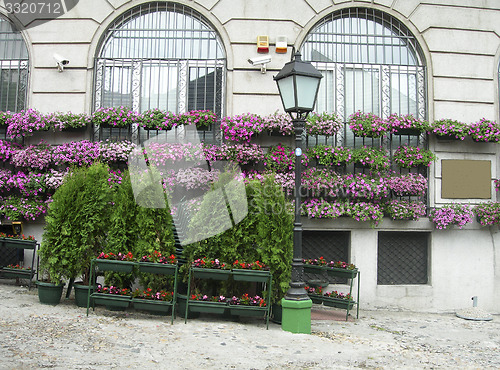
pixel 298 85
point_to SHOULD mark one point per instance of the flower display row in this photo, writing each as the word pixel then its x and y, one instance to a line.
pixel 244 300
pixel 322 182
pixel 215 263
pixel 155 257
pixel 80 153
pixel 453 214
pixel 281 158
pixel 370 125
pixel 321 261
pixel 241 128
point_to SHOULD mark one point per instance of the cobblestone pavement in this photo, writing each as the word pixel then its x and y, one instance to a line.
pixel 35 336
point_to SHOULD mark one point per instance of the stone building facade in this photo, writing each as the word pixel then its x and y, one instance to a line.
pixel 447 67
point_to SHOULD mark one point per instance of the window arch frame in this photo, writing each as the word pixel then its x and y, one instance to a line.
pixel 192 77
pixel 18 64
pixel 385 71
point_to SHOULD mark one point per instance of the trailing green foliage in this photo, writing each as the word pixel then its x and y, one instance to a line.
pixel 265 234
pixel 139 230
pixel 76 223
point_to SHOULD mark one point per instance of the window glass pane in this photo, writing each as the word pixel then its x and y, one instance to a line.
pixel 161 55
pixel 13 68
pixel 159 87
pixel 362 88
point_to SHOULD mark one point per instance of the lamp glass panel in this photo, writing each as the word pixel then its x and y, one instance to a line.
pixel 286 88
pixel 306 91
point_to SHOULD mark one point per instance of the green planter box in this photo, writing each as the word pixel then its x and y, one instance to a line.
pixel 157 268
pixel 18 243
pixel 315 298
pixel 343 273
pixel 111 301
pixel 16 273
pixel 251 275
pixel 338 303
pixel 215 274
pixel 207 307
pixel 314 269
pixel 118 266
pixel 241 310
pixel 152 306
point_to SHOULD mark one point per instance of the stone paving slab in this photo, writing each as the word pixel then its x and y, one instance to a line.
pixel 35 336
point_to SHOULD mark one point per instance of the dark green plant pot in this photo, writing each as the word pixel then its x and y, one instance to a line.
pixel 118 266
pixel 81 294
pixel 157 268
pixel 207 307
pixel 152 306
pixel 215 274
pixel 49 293
pixel 276 313
pixel 251 275
pixel 239 310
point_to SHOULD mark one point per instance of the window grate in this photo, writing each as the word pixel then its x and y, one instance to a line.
pixel 332 245
pixel 402 258
pixel 160 55
pixel 13 68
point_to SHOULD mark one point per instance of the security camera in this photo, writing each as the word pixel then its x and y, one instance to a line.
pixel 259 60
pixel 262 61
pixel 60 62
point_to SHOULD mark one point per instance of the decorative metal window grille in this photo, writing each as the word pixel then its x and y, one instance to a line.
pixel 370 62
pixel 402 258
pixel 13 68
pixel 161 55
pixel 332 245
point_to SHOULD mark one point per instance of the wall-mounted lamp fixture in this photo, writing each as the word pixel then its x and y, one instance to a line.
pixel 60 62
pixel 260 61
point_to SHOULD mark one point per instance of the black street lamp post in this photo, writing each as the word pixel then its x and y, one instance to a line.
pixel 298 85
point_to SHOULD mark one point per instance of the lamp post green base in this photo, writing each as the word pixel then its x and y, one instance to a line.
pixel 296 316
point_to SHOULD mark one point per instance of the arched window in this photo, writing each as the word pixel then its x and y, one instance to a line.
pixel 13 68
pixel 160 55
pixel 370 62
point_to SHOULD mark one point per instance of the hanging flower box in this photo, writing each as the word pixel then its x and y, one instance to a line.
pixel 14 273
pixel 118 266
pixel 18 243
pixel 407 125
pixel 112 301
pixel 315 298
pixel 243 310
pixel 153 306
pixel 343 273
pixel 338 302
pixel 313 269
pixel 215 274
pixel 251 275
pixel 207 306
pixel 407 131
pixel 157 268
